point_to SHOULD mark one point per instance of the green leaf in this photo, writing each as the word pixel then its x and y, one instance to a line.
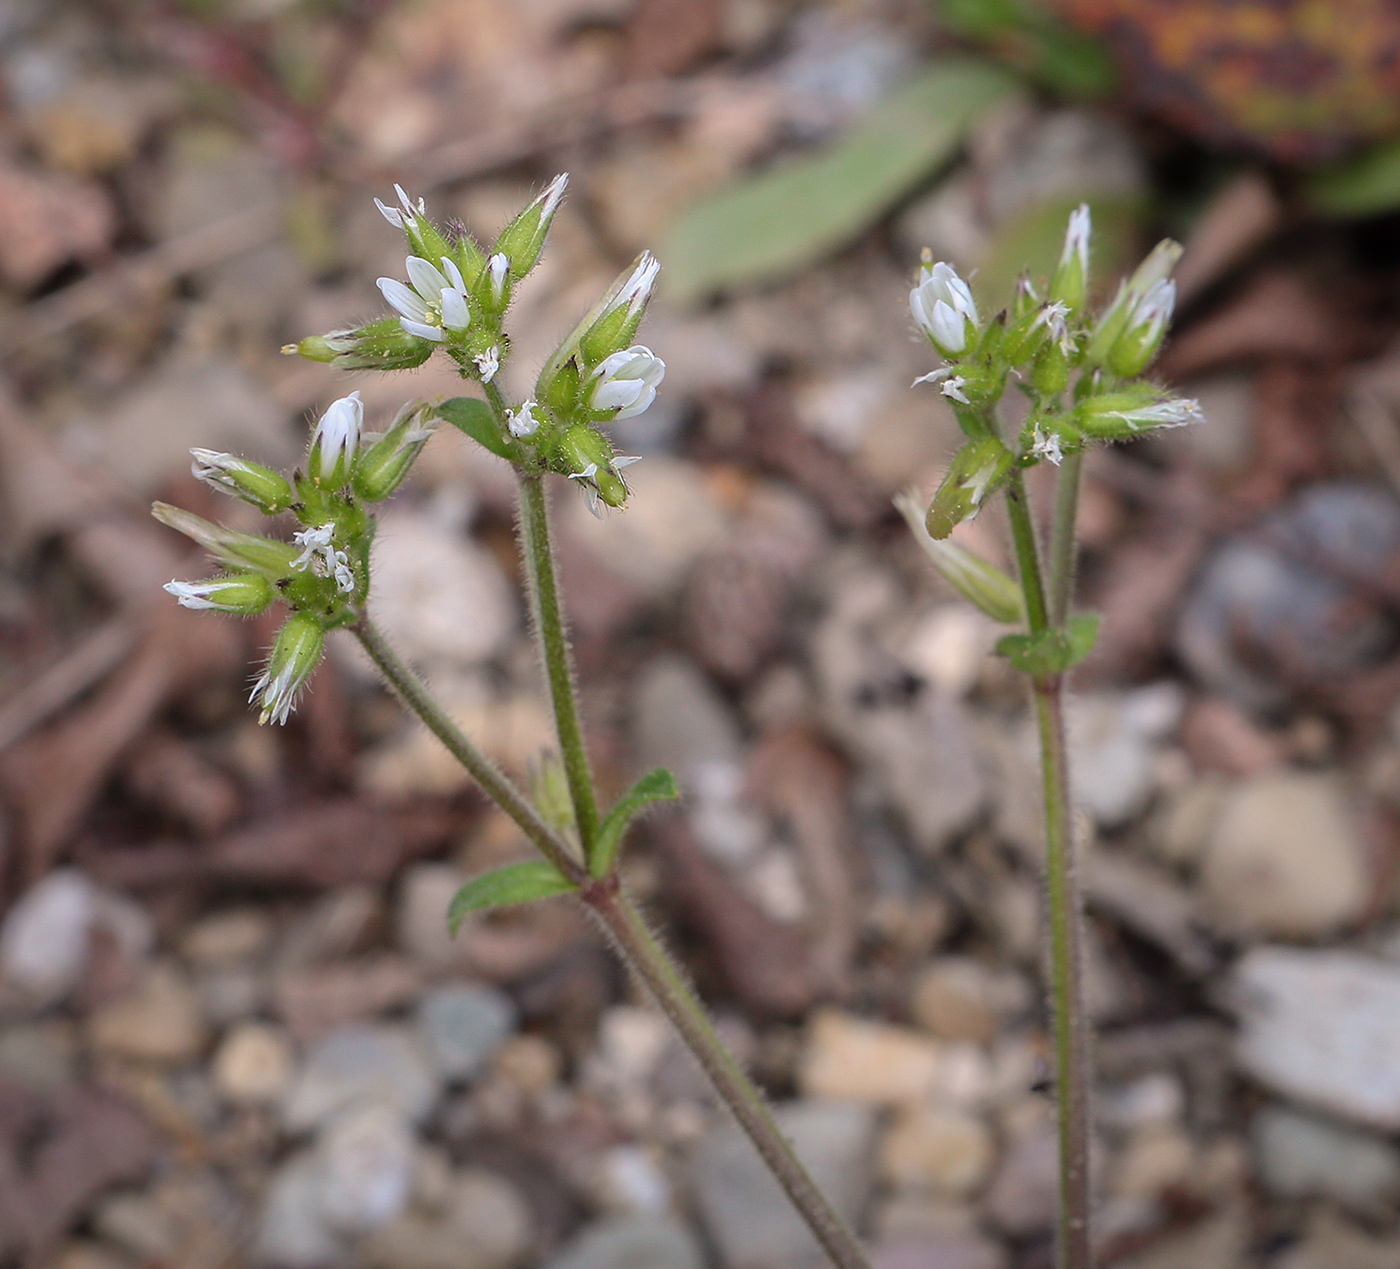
pixel 502 887
pixel 655 786
pixel 1363 186
pixel 1027 36
pixel 474 417
pixel 1052 651
pixel 802 209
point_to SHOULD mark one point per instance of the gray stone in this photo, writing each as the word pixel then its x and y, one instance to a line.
pixel 291 1231
pixel 39 1057
pixel 365 1159
pixel 1301 1156
pixel 680 721
pixel 479 1221
pixel 1286 859
pixel 744 1210
pixel 1331 1243
pixel 360 1064
pixel 460 1025
pixel 631 1242
pixel 1323 1027
pixel 1113 743
pixel 44 938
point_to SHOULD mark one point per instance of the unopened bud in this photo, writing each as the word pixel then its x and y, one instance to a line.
pixel 977 581
pixel 1134 349
pixel 236 550
pixel 294 656
pixel 1070 281
pixel 523 239
pixel 943 308
pixel 379 345
pixel 335 441
pixel 978 470
pixel 245 594
pixel 266 489
pixel 625 382
pixel 1117 416
pixel 1119 315
pixel 381 468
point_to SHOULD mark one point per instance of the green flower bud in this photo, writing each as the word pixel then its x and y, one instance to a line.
pixel 523 239
pixel 1118 416
pixel 379 345
pixel 335 442
pixel 266 489
pixel 245 594
pixel 1120 314
pixel 978 470
pixel 977 581
pixel 382 467
pixel 228 546
pixel 1134 349
pixel 1050 370
pixel 1069 285
pixel 295 655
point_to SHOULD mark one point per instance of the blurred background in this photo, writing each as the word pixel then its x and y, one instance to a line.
pixel 233 1028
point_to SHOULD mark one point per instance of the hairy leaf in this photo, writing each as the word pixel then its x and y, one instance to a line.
pixel 474 417
pixel 655 786
pixel 1052 651
pixel 502 887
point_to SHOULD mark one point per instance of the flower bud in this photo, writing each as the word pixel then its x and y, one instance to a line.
pixel 943 308
pixel 523 239
pixel 978 470
pixel 381 468
pixel 1050 370
pixel 424 239
pixel 1119 315
pixel 380 345
pixel 266 489
pixel 334 442
pixel 625 382
pixel 977 581
pixel 1026 336
pixel 1117 416
pixel 295 654
pixel 1069 285
pixel 236 550
pixel 245 594
pixel 1134 349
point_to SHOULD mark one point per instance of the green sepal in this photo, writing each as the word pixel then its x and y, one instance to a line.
pixel 655 786
pixel 1052 651
pixel 236 550
pixel 977 471
pixel 476 419
pixel 975 579
pixel 505 887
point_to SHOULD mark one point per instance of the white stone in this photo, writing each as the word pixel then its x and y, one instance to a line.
pixel 1322 1027
pixel 929 1148
pixel 1286 859
pixel 1302 1156
pixel 254 1064
pixel 44 939
pixel 359 1064
pixel 366 1165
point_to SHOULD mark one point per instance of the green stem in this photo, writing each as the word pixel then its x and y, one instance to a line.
pixel 668 987
pixel 497 786
pixel 1063 907
pixel 1062 539
pixel 549 621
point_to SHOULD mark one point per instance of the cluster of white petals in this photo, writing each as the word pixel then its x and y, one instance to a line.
pixel 943 307
pixel 626 381
pixel 435 304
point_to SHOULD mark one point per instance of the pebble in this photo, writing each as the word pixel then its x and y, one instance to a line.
pixel 442 599
pixel 630 1242
pixel 460 1026
pixel 853 1059
pixel 38 1057
pixel 1178 832
pixel 481 1222
pixel 420 914
pixel 962 998
pixel 944 1151
pixel 1219 1240
pixel 360 1064
pixel 254 1064
pixel 44 938
pixel 159 1022
pixel 744 1210
pixel 365 1159
pixel 946 1251
pixel 682 723
pixel 291 1231
pixel 1323 1027
pixel 1114 741
pixel 1024 1193
pixel 228 939
pixel 1153 1160
pixel 1286 859
pixel 1301 1156
pixel 1332 1243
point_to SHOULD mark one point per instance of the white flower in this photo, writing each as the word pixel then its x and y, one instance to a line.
pixel 953 388
pixel 626 381
pixel 488 363
pixel 943 307
pixel 339 432
pixel 1047 445
pixel 437 302
pixel 320 555
pixel 411 210
pixel 496 268
pixel 522 422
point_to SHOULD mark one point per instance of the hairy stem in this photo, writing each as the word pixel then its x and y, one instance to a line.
pixel 496 785
pixel 543 584
pixel 1062 539
pixel 1063 911
pixel 668 987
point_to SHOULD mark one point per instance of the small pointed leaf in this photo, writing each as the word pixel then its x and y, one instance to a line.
pixel 1052 651
pixel 474 417
pixel 502 887
pixel 655 786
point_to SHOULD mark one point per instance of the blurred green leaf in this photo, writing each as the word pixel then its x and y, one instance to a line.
pixel 1027 36
pixel 503 887
pixel 1052 651
pixel 1032 242
pixel 655 786
pixel 804 208
pixel 1364 186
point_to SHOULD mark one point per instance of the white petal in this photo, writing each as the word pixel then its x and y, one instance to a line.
pixel 454 274
pixel 455 315
pixel 640 405
pixel 391 214
pixel 423 331
pixel 407 303
pixel 618 393
pixel 426 279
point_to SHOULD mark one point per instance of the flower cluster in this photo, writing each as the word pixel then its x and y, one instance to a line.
pixel 1080 372
pixel 454 300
